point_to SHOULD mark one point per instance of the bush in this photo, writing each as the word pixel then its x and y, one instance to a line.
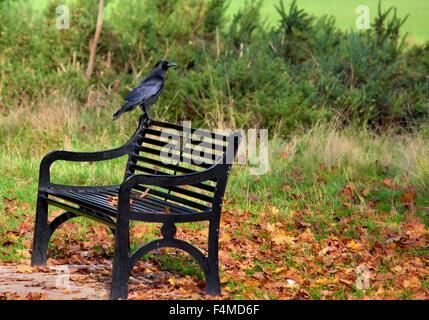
pixel 238 71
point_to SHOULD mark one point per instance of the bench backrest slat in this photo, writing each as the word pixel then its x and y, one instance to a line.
pixel 170 149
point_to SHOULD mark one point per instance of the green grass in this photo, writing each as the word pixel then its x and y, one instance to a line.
pixel 316 180
pixel 309 170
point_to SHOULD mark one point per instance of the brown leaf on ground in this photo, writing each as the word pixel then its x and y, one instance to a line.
pixel 365 192
pixel 284 155
pixel 36 296
pixel 415 230
pixel 144 193
pixel 387 182
pixel 167 210
pixel 113 201
pixel 408 197
pixel 24 269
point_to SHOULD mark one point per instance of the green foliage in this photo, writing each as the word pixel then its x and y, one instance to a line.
pixel 244 24
pixel 238 72
pixel 215 15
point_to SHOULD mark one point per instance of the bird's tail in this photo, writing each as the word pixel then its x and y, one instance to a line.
pixel 121 110
pixel 118 114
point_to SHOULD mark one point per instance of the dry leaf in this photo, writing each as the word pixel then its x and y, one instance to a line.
pixel 284 155
pixel 24 269
pixel 353 245
pixel 281 238
pixel 274 210
pixel 365 192
pixel 387 182
pixel 408 197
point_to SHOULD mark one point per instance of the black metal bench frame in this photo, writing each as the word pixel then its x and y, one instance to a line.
pixel 84 201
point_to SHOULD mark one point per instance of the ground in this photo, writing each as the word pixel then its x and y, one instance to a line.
pixel 259 260
pixel 339 215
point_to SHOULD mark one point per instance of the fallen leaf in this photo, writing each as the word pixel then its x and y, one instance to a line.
pixel 413 282
pixel 365 192
pixel 324 251
pixel 113 201
pixel 36 296
pixel 322 281
pixel 387 182
pixel 281 238
pixel 167 210
pixel 408 197
pixel 24 269
pixel 353 245
pixel 286 188
pixel 284 155
pixel 348 282
pixel 280 269
pixel 24 253
pixel 415 230
pixel 274 210
pixel 225 237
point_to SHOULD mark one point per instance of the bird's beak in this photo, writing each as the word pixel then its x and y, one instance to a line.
pixel 172 64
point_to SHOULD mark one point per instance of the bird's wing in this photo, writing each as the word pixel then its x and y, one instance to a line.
pixel 148 88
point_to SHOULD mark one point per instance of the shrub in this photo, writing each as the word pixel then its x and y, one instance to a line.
pixel 236 71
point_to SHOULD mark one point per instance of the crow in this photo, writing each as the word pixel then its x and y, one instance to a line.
pixel 148 91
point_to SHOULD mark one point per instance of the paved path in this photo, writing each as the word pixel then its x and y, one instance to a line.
pixel 56 283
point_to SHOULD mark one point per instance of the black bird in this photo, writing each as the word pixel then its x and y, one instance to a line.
pixel 148 91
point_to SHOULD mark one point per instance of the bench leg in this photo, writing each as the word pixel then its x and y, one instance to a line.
pixel 213 281
pixel 120 272
pixel 41 233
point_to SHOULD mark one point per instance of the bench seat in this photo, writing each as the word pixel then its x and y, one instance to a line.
pixel 144 206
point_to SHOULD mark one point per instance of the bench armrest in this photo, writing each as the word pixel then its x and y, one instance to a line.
pixel 50 158
pixel 170 181
pixel 218 171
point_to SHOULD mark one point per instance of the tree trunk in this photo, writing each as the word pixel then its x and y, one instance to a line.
pixel 94 41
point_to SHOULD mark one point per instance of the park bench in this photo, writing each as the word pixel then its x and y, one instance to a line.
pixel 174 174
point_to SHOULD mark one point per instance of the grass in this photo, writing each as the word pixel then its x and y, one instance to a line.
pixel 336 183
pixel 313 167
pixel 334 198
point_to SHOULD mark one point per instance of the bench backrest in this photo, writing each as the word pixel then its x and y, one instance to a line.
pixel 168 149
